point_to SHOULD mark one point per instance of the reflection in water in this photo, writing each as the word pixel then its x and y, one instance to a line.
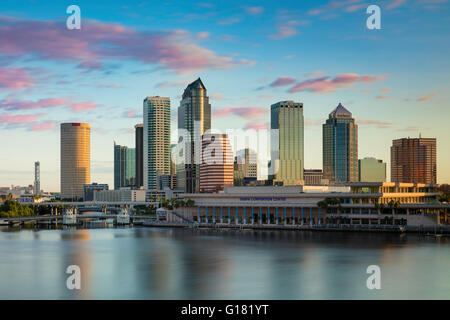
pixel 149 263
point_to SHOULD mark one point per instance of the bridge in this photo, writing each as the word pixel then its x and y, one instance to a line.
pixel 54 218
pixel 92 203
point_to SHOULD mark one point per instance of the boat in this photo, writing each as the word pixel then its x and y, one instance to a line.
pixel 4 222
pixel 123 217
pixel 69 217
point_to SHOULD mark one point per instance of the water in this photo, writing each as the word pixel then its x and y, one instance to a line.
pixel 150 263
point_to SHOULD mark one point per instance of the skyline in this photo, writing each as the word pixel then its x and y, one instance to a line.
pixel 372 74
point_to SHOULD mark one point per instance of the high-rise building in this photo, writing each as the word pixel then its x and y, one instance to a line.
pixel 75 159
pixel 194 120
pixel 340 146
pixel 90 189
pixel 313 177
pixel 124 166
pixel 372 170
pixel 156 140
pixel 216 168
pixel 287 149
pixel 139 146
pixel 413 160
pixel 245 166
pixel 37 177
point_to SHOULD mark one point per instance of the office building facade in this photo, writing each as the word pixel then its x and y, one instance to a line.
pixel 217 166
pixel 90 189
pixel 413 160
pixel 139 146
pixel 194 120
pixel 371 170
pixel 340 146
pixel 124 166
pixel 287 143
pixel 75 159
pixel 313 177
pixel 156 158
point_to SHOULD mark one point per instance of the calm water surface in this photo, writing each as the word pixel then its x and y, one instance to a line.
pixel 149 263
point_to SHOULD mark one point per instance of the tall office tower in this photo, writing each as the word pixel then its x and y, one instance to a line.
pixel 37 177
pixel 413 160
pixel 217 163
pixel 156 140
pixel 124 166
pixel 75 159
pixel 287 128
pixel 194 120
pixel 245 167
pixel 173 167
pixel 139 146
pixel 340 146
pixel 372 170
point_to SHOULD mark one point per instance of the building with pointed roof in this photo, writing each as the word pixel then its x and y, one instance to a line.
pixel 340 146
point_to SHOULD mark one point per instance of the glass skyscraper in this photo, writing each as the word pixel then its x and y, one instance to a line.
pixel 287 146
pixel 139 146
pixel 194 120
pixel 340 146
pixel 156 140
pixel 124 166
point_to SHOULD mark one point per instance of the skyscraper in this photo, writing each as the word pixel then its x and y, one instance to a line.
pixel 340 146
pixel 37 177
pixel 217 164
pixel 413 160
pixel 194 120
pixel 75 159
pixel 287 149
pixel 124 166
pixel 139 146
pixel 372 170
pixel 156 140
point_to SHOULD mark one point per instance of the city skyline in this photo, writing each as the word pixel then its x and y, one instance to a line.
pixel 390 97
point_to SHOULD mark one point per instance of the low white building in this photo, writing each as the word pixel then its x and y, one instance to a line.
pixel 119 195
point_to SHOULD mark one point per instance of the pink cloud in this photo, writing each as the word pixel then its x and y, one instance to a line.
pixel 381 97
pixel 14 78
pixel 332 6
pixel 426 98
pixel 255 10
pixel 243 112
pixel 395 3
pixel 356 7
pixel 327 84
pixel 255 126
pixel 83 106
pixel 9 104
pixel 43 126
pixel 282 81
pixel 19 118
pixel 96 42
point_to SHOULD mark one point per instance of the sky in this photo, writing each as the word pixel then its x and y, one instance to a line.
pixel 249 55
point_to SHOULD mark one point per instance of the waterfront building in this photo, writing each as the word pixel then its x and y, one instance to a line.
pixel 245 167
pixel 124 166
pixel 371 170
pixel 194 120
pixel 340 146
pixel 37 177
pixel 139 146
pixel 414 160
pixel 216 168
pixel 371 204
pixel 75 159
pixel 163 181
pixel 156 139
pixel 287 145
pixel 90 189
pixel 313 176
pixel 121 195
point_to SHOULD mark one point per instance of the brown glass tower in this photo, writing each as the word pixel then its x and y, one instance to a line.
pixel 413 160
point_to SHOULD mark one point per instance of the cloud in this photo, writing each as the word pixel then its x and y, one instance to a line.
pixel 96 42
pixel 19 118
pixel 315 74
pixel 426 98
pixel 229 21
pixel 216 96
pixel 14 78
pixel 287 29
pixel 356 7
pixel 394 4
pixel 254 10
pixel 326 84
pixel 381 97
pixel 379 124
pixel 169 84
pixel 385 89
pixel 83 106
pixel 130 113
pixel 243 112
pixel 43 126
pixel 282 81
pixel 203 35
pixel 10 105
pixel 256 126
pixel 333 6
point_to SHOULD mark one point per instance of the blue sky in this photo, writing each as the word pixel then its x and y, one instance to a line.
pixel 249 55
